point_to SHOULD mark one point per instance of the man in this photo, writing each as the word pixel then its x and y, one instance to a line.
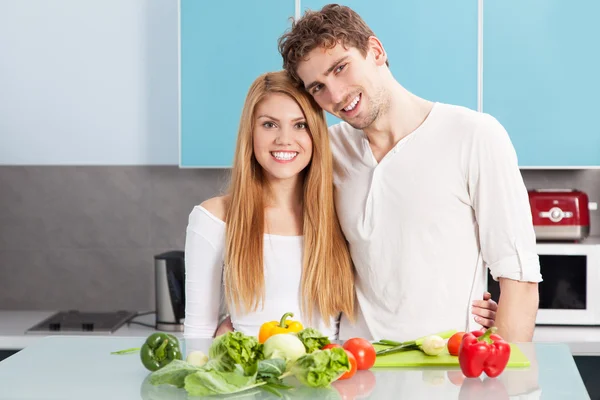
pixel 429 195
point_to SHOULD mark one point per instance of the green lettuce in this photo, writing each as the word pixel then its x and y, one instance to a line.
pixel 174 373
pixel 234 348
pixel 321 367
pixel 206 382
pixel 236 364
pixel 312 339
pixel 272 369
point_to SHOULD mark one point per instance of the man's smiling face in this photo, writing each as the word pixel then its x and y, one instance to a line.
pixel 345 83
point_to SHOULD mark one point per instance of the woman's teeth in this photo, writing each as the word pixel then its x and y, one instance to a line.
pixel 284 155
pixel 353 104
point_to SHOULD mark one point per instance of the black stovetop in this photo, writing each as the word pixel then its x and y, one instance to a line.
pixel 83 322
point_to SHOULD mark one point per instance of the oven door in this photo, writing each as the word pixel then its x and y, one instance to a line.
pixel 570 291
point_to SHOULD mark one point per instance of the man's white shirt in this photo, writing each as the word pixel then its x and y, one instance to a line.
pixel 423 224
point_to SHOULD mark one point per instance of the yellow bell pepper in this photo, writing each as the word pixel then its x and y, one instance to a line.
pixel 269 329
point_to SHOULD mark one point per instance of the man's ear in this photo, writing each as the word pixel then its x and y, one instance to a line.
pixel 376 48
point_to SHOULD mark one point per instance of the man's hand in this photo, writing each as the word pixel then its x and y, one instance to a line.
pixel 517 310
pixel 485 310
pixel 224 327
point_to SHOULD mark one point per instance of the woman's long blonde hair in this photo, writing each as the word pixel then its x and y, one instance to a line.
pixel 327 271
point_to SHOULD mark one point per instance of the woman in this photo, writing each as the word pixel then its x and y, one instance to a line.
pixel 274 240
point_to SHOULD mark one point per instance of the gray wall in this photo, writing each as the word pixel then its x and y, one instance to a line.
pixel 84 237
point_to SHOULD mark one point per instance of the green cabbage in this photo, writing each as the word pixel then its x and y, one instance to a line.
pixel 284 345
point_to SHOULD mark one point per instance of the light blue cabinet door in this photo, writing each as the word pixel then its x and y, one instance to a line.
pixel 224 46
pixel 541 78
pixel 431 45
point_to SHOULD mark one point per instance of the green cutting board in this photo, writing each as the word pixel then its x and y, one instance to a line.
pixel 416 358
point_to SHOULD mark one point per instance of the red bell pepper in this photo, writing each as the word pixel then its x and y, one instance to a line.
pixel 483 352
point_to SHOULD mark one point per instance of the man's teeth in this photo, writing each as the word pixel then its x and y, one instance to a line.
pixel 284 155
pixel 353 104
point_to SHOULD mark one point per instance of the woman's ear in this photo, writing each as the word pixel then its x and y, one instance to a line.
pixel 376 48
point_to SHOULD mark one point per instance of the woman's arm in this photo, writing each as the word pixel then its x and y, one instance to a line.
pixel 203 264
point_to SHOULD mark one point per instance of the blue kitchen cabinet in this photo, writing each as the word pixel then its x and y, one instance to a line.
pixel 431 45
pixel 224 46
pixel 541 78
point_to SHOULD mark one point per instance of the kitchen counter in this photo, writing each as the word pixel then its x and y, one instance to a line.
pixel 583 341
pixel 82 367
pixel 13 325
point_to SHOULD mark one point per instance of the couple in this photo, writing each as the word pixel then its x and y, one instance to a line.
pixel 382 226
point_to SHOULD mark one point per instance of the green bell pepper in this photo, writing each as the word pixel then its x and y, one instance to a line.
pixel 158 350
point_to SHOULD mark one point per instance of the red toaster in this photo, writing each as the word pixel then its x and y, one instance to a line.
pixel 560 214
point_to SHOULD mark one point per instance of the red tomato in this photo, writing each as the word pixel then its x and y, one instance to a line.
pixel 454 343
pixel 363 351
pixel 352 371
pixel 330 346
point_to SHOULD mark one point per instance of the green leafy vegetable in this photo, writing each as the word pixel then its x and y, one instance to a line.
pixel 206 382
pixel 149 391
pixel 126 351
pixel 173 373
pixel 272 372
pixel 312 339
pixel 235 348
pixel 321 367
pixel 269 369
pixel 236 364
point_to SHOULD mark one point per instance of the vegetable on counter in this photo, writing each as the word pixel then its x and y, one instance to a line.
pixel 353 366
pixel 235 348
pixel 483 352
pixel 312 339
pixel 454 343
pixel 158 350
pixel 362 350
pixel 410 345
pixel 271 328
pixel 197 358
pixel 237 363
pixel 321 367
pixel 285 346
pixel 433 345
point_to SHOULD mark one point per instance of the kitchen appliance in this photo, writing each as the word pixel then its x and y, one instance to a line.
pixel 560 214
pixel 76 322
pixel 169 273
pixel 570 290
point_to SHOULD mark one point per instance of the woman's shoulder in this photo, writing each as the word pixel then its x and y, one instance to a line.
pixel 209 216
pixel 216 206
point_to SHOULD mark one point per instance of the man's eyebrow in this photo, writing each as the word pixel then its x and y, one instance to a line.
pixel 329 70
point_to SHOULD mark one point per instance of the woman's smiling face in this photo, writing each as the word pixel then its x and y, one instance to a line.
pixel 281 140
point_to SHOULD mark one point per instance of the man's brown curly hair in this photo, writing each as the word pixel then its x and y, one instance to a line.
pixel 325 28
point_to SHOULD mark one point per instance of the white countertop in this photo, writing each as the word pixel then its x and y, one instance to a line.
pixel 13 324
pixel 552 374
pixel 582 340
